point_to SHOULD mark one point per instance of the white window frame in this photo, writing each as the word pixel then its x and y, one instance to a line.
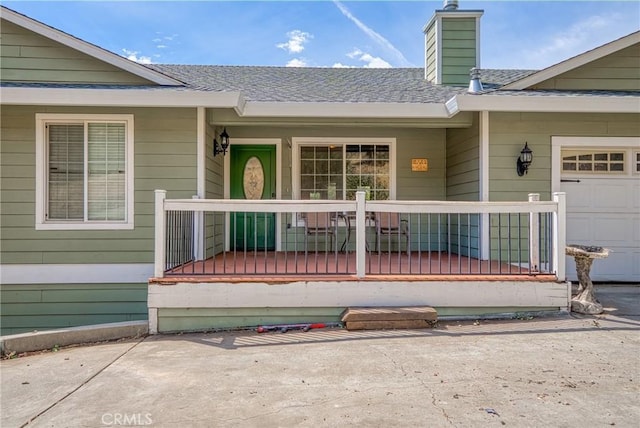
pixel 593 151
pixel 42 223
pixel 297 142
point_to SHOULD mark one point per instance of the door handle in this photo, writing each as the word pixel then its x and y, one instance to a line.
pixel 569 181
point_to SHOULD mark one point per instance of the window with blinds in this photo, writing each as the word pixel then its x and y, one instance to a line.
pixel 87 171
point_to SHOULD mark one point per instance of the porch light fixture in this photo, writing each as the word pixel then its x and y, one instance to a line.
pixel 223 145
pixel 524 160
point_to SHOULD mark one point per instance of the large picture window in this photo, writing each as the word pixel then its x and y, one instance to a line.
pixel 336 169
pixel 85 172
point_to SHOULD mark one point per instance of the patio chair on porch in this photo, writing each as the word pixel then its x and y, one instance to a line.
pixel 319 224
pixel 390 225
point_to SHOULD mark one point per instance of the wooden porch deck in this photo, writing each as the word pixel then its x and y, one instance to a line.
pixel 273 267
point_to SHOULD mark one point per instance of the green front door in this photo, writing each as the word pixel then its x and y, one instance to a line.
pixel 253 172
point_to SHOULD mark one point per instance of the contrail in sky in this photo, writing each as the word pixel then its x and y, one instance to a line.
pixel 373 35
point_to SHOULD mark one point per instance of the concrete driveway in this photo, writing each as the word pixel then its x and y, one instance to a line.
pixel 568 371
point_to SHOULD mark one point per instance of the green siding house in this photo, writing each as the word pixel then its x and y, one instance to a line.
pixel 121 197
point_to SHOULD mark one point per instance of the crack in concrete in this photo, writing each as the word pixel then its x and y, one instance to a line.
pixel 89 379
pixel 444 413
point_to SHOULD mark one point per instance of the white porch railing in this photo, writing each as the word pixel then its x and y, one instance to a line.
pixel 277 237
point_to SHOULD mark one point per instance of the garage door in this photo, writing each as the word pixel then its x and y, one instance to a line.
pixel 603 208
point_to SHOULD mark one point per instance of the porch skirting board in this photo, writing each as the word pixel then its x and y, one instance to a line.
pixel 198 306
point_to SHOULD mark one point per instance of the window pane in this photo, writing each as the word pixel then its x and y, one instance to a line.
pixel 569 166
pixel 601 156
pixel 601 167
pixel 617 167
pixel 106 176
pixel 66 172
pixel 319 166
pixel 617 156
pixel 586 166
pixel 349 167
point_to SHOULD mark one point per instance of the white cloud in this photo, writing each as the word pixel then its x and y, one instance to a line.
pixel 161 46
pixel 572 39
pixel 133 56
pixel 340 65
pixel 297 62
pixel 578 38
pixel 386 44
pixel 296 41
pixel 369 60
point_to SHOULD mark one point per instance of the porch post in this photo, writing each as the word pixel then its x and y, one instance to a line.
pixel 534 236
pixel 159 249
pixel 361 233
pixel 198 227
pixel 560 235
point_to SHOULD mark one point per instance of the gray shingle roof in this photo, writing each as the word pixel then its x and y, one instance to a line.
pixel 344 85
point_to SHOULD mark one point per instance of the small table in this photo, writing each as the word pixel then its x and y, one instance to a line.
pixel 349 219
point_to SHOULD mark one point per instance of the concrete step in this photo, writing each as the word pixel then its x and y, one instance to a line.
pixel 386 318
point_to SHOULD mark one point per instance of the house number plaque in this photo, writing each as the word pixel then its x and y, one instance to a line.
pixel 419 164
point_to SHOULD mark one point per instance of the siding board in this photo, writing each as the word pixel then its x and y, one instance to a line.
pixel 509 131
pixel 29 57
pixel 28 307
pixel 162 160
pixel 617 71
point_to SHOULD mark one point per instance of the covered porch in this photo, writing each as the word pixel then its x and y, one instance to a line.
pixel 240 263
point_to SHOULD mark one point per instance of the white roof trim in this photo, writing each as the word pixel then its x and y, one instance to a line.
pixel 546 103
pixel 332 110
pixel 575 62
pixel 119 97
pixel 185 98
pixel 88 48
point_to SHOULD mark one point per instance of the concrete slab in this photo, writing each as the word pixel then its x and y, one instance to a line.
pixel 565 371
pixel 30 385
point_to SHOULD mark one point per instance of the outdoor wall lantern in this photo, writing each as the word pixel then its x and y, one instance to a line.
pixel 223 145
pixel 524 160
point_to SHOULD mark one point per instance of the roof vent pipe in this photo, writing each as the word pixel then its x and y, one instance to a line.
pixel 450 5
pixel 475 85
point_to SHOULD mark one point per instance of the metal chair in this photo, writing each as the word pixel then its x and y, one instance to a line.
pixel 390 224
pixel 319 224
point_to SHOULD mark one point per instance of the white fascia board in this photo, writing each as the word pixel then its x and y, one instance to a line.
pixel 76 273
pixel 88 48
pixel 356 110
pixel 532 103
pixel 575 62
pixel 119 97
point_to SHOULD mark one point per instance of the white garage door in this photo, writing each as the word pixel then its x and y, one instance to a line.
pixel 603 208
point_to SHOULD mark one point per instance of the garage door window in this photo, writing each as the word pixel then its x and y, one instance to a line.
pixel 593 162
pixel 637 163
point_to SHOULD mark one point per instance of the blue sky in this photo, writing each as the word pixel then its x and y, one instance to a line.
pixel 515 34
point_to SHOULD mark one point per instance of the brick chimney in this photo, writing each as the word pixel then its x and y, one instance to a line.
pixel 452 45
